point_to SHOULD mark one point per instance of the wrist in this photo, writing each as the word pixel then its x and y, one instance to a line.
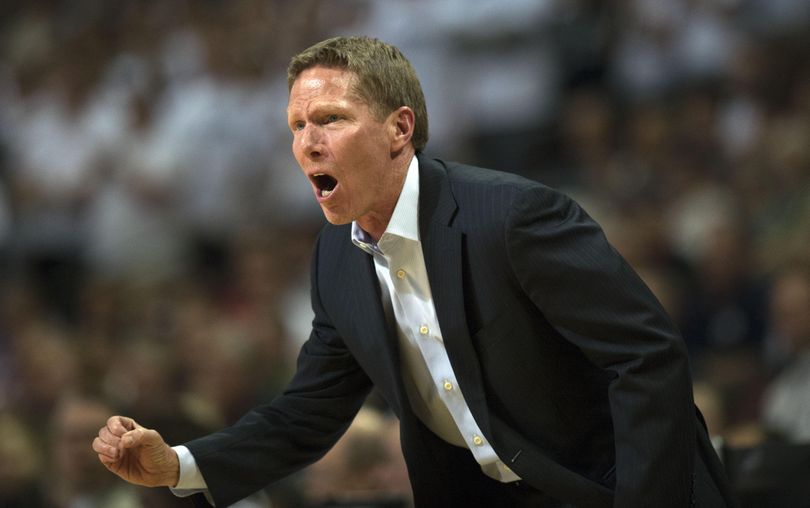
pixel 172 477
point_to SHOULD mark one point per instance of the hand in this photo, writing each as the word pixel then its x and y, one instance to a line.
pixel 136 454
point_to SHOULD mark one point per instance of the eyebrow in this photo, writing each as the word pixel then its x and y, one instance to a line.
pixel 319 106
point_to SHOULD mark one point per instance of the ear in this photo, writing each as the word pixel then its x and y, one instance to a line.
pixel 401 123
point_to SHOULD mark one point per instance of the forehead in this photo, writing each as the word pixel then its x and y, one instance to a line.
pixel 322 84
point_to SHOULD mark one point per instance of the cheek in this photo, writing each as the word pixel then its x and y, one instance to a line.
pixel 295 151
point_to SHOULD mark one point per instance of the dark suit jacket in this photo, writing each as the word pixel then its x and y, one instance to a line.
pixel 568 363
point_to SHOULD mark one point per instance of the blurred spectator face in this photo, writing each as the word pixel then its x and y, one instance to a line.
pixel 588 122
pixel 649 131
pixel 722 259
pixel 47 366
pixel 19 307
pixel 142 371
pixel 789 152
pixel 366 463
pixel 395 471
pixel 76 479
pixel 710 403
pixel 217 364
pixel 19 459
pixel 662 287
pixel 790 309
pixel 258 271
pixel 75 424
pixel 100 308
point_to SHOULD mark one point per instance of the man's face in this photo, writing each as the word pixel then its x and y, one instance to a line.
pixel 342 148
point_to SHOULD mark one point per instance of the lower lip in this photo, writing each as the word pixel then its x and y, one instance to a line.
pixel 324 199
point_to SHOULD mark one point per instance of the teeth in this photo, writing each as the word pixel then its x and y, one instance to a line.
pixel 322 179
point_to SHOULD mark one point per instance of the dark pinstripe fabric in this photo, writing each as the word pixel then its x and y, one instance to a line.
pixel 568 363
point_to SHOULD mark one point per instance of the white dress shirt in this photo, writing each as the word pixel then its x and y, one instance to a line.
pixel 433 390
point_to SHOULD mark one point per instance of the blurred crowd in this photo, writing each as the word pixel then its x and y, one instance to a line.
pixel 155 231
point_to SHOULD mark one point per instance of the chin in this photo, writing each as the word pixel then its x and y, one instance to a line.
pixel 337 220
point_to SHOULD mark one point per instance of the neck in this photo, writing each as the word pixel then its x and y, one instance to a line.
pixel 375 222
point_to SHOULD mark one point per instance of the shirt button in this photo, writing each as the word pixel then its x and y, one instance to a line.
pixel 424 329
pixel 478 440
pixel 400 274
pixel 448 386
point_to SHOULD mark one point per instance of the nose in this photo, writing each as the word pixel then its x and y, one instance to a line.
pixel 310 142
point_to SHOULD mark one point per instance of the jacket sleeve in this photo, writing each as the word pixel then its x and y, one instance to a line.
pixel 297 428
pixel 593 298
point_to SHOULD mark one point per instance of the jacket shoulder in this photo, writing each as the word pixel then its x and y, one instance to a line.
pixel 493 195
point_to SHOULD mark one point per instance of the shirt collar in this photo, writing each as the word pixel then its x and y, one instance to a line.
pixel 404 219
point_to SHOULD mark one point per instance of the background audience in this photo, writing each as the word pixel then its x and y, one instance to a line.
pixel 152 217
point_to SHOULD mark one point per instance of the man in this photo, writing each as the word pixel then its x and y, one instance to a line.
pixel 786 405
pixel 528 364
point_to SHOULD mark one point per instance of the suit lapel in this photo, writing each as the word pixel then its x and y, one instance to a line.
pixel 442 248
pixel 377 334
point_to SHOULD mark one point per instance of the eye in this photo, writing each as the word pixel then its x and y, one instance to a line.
pixel 331 118
pixel 297 126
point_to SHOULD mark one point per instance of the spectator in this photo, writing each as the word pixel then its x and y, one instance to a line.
pixel 365 467
pixel 75 481
pixel 20 465
pixel 787 403
pixel 137 140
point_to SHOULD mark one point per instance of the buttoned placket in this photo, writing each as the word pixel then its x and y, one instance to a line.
pixel 400 259
pixel 401 271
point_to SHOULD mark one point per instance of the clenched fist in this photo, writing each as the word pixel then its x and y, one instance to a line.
pixel 136 454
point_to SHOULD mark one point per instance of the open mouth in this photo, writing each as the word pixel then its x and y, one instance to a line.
pixel 325 184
